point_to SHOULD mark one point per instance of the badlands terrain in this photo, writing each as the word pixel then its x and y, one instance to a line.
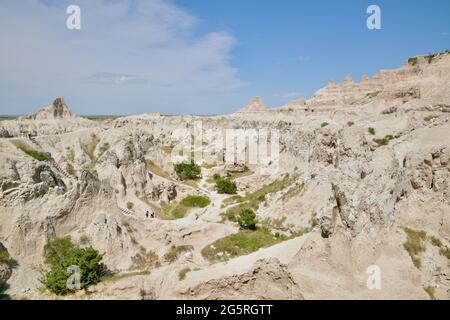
pixel 361 189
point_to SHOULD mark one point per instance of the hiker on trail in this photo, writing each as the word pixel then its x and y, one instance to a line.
pixel 152 215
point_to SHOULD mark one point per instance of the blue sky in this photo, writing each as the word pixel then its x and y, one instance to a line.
pixel 201 56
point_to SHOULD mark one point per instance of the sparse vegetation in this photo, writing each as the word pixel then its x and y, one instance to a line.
pixel 373 94
pixel 371 131
pixel 84 239
pixel 188 171
pixel 89 147
pixel 415 244
pixel 254 199
pixel 429 118
pixel 70 169
pixel 323 124
pixel 38 155
pixel 350 123
pixel 60 254
pixel 435 241
pixel 445 251
pixel 153 167
pixel 183 272
pixel 175 252
pixel 384 141
pixel 145 260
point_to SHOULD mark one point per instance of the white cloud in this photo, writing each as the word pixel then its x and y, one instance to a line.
pixel 148 44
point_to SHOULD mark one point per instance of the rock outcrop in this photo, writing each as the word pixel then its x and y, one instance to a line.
pixel 57 110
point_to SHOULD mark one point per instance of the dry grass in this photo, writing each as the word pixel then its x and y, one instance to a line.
pixel 175 252
pixel 415 244
pixel 183 272
pixel 153 167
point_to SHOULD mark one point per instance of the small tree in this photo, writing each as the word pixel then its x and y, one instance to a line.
pixel 247 219
pixel 60 254
pixel 188 171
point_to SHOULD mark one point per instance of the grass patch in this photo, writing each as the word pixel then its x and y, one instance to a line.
pixel 174 211
pixel 38 155
pixel 175 252
pixel 167 149
pixel 119 276
pixel 431 292
pixel 415 244
pixel 183 272
pixel 445 252
pixel 292 192
pixel 153 167
pixel 373 94
pixel 384 141
pixel 242 243
pixel 195 201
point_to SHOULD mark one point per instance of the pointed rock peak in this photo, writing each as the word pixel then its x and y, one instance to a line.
pixel 348 79
pixel 255 105
pixel 364 78
pixel 331 84
pixel 256 102
pixel 57 110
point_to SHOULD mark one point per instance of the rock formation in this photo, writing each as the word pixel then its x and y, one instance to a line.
pixel 362 181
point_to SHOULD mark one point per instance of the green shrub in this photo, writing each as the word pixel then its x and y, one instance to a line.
pixel 371 131
pixel 225 186
pixel 247 219
pixel 62 253
pixel 4 257
pixel 324 124
pixel 188 171
pixel 350 123
pixel 195 201
pixel 130 205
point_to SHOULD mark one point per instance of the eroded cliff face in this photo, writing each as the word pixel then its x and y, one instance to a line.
pixel 359 164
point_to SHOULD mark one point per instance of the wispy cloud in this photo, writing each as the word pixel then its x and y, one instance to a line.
pixel 151 47
pixel 445 34
pixel 289 95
